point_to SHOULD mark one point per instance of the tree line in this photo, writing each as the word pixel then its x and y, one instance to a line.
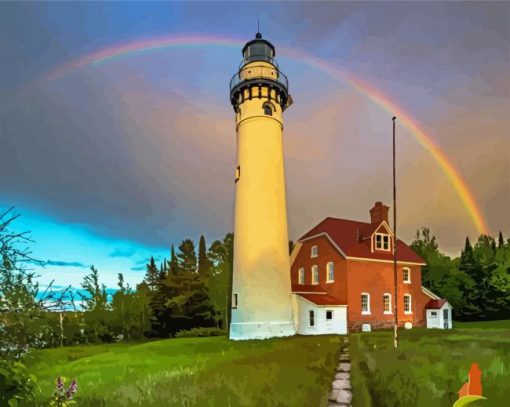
pixel 477 284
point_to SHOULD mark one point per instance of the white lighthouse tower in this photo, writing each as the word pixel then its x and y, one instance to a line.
pixel 261 287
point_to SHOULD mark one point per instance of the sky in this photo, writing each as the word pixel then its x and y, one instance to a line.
pixel 113 157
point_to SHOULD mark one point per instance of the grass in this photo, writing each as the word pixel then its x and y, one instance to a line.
pixel 430 366
pixel 194 372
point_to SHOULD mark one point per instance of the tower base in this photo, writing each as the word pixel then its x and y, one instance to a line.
pixel 260 330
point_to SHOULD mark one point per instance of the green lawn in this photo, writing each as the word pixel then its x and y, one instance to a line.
pixel 194 372
pixel 430 366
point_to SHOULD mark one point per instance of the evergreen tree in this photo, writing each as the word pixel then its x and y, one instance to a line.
pixel 204 264
pixel 152 274
pixel 173 265
pixel 501 242
pixel 187 258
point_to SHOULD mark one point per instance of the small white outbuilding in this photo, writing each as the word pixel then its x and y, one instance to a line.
pixel 439 314
pixel 319 314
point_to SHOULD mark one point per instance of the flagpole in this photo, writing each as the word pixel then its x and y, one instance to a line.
pixel 395 298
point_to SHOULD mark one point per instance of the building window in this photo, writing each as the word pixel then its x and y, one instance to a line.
pixel 330 272
pixel 407 304
pixel 382 242
pixel 315 251
pixel 407 275
pixel 365 303
pixel 315 274
pixel 312 318
pixel 433 314
pixel 267 110
pixel 234 301
pixel 387 303
pixel 329 314
pixel 301 276
pixel 238 172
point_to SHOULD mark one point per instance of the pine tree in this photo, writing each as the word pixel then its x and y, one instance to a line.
pixel 501 242
pixel 152 274
pixel 204 264
pixel 173 264
pixel 187 258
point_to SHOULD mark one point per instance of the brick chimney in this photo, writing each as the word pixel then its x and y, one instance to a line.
pixel 379 213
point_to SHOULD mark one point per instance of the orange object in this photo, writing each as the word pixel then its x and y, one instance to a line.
pixel 473 387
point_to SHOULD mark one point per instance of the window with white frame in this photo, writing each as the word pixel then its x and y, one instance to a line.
pixel 365 303
pixel 382 241
pixel 407 275
pixel 301 276
pixel 407 304
pixel 387 303
pixel 330 276
pixel 315 274
pixel 315 251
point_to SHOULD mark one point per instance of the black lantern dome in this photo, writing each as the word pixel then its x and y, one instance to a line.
pixel 258 49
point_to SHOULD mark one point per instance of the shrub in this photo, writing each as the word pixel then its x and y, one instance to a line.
pixel 16 384
pixel 191 333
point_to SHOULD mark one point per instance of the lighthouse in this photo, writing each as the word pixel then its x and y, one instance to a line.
pixel 261 287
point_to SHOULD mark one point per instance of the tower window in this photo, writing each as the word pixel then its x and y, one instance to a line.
pixel 268 110
pixel 238 172
pixel 234 301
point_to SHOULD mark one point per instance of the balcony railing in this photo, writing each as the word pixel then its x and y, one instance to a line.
pixel 265 72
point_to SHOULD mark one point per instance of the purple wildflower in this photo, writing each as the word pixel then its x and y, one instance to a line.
pixel 73 388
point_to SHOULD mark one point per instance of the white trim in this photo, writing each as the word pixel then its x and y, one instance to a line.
pixel 426 291
pixel 330 241
pixel 368 304
pixel 390 312
pixel 408 281
pixel 327 272
pixel 387 228
pixel 351 257
pixel 386 261
pixel 410 304
pixel 315 267
pixel 309 292
pixel 295 251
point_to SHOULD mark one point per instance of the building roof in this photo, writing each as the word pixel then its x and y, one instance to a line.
pixel 436 304
pixel 321 299
pixel 348 236
pixel 301 288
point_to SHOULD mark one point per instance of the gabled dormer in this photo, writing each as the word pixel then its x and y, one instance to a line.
pixel 381 236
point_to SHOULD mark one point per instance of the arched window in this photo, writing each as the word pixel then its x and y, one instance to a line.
pixel 330 275
pixel 315 274
pixel 268 109
pixel 301 277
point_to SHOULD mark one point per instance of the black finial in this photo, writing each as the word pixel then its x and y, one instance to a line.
pixel 258 35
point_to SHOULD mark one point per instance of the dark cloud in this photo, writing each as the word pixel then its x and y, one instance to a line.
pixel 65 263
pixel 138 268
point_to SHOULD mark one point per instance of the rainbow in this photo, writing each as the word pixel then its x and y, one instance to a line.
pixel 137 47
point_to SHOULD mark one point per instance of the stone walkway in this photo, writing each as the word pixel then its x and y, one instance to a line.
pixel 341 393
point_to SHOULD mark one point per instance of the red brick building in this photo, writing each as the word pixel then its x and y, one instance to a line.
pixel 344 270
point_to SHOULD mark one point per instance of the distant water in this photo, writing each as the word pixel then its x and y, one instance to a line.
pixel 79 295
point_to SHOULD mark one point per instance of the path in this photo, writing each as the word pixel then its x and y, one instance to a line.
pixel 341 392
